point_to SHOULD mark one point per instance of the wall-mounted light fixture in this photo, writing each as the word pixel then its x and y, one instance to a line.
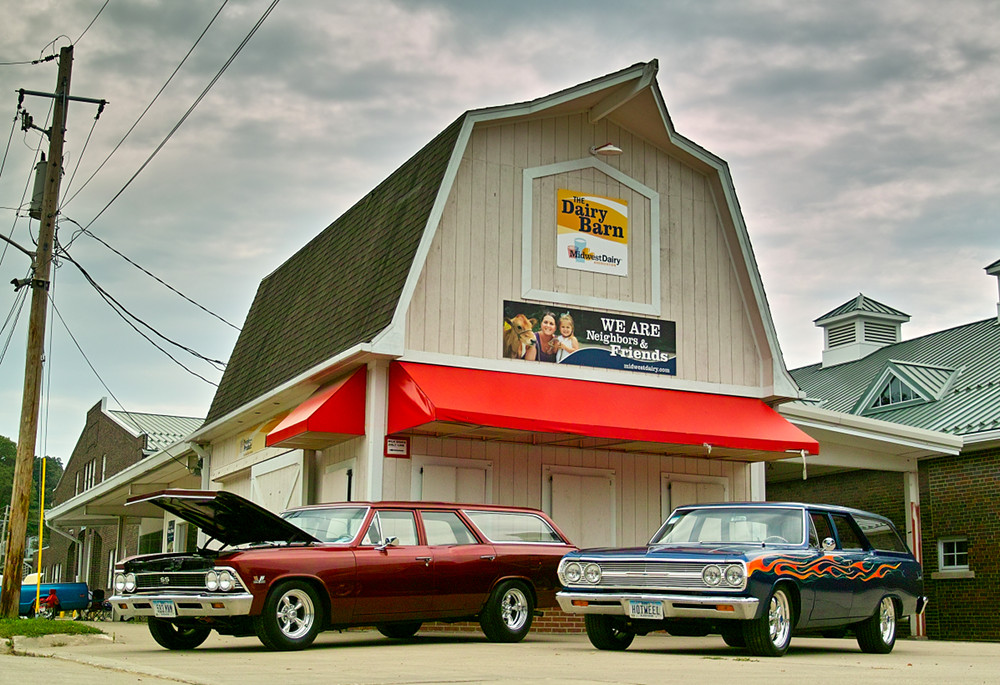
pixel 607 150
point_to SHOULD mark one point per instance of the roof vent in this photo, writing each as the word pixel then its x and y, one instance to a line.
pixel 857 328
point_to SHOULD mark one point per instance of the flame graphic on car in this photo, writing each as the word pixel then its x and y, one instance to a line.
pixel 826 566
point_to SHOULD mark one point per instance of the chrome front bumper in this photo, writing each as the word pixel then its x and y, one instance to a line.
pixel 185 605
pixel 674 606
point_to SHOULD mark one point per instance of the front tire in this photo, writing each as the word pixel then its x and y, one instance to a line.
pixel 173 636
pixel 399 631
pixel 732 635
pixel 508 612
pixel 770 634
pixel 607 632
pixel 877 633
pixel 292 617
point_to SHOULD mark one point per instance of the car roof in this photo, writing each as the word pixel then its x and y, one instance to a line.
pixel 785 505
pixel 410 504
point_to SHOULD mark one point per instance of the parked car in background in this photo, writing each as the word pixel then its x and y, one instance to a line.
pixel 392 565
pixel 753 572
pixel 72 596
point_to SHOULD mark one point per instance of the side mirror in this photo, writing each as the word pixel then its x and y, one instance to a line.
pixel 388 542
pixel 829 544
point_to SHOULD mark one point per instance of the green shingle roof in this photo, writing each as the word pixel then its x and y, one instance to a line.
pixel 342 288
pixel 962 363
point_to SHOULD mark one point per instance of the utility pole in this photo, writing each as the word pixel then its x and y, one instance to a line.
pixel 41 271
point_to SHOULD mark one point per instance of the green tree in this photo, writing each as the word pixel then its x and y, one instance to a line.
pixel 53 472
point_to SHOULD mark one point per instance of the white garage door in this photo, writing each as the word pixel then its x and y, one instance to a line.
pixel 583 506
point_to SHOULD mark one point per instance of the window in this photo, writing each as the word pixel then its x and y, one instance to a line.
pixel 895 392
pixel 392 524
pixel 112 559
pixel 151 543
pixel 513 527
pixel 880 534
pixel 953 554
pixel 445 528
pixel 849 540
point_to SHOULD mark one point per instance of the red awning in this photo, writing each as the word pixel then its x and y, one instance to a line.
pixel 422 397
pixel 335 411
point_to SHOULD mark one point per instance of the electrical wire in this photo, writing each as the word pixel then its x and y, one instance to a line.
pixel 92 21
pixel 128 317
pixel 150 274
pixel 29 61
pixel 215 79
pixel 155 97
pixel 15 312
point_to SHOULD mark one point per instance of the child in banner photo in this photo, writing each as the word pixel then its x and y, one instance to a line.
pixel 566 342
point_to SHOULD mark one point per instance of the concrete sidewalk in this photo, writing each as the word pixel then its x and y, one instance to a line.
pixel 127 654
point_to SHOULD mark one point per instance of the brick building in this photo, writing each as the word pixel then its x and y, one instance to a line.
pixel 949 382
pixel 112 442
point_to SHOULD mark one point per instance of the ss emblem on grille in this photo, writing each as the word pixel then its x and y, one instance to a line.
pixel 165 580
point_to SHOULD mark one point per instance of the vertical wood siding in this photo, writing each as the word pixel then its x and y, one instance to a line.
pixel 475 258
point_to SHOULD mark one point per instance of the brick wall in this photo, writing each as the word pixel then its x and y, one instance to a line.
pixel 880 492
pixel 553 621
pixel 960 497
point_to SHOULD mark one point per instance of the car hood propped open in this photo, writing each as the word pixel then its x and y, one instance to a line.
pixel 226 517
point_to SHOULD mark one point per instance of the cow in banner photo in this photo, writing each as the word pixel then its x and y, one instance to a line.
pixel 518 336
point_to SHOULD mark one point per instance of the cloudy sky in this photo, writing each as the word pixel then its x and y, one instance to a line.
pixel 863 138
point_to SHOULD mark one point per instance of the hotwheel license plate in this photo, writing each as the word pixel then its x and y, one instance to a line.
pixel 164 608
pixel 643 608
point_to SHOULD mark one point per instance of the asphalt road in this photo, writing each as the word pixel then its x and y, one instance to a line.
pixel 128 655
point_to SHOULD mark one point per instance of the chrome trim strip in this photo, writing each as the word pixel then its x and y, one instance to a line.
pixel 234 605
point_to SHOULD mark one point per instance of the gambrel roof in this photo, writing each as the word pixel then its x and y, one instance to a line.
pixel 959 368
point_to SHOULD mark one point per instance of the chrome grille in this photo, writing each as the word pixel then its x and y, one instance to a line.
pixel 170 581
pixel 647 575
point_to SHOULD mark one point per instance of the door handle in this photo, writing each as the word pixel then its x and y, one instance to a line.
pixel 426 560
pixel 488 557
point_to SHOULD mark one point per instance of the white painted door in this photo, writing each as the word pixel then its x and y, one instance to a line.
pixel 583 506
pixel 675 493
pixel 442 483
pixel 279 483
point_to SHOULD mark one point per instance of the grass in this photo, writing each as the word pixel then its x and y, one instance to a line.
pixel 37 627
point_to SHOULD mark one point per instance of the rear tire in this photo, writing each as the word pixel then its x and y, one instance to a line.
pixel 173 636
pixel 877 633
pixel 399 631
pixel 292 617
pixel 508 612
pixel 771 634
pixel 607 632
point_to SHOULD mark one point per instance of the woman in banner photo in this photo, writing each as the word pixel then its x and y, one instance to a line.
pixel 566 342
pixel 545 339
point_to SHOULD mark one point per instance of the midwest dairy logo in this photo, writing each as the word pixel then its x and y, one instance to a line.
pixel 592 232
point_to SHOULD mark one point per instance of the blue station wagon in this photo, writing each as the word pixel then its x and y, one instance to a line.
pixel 754 572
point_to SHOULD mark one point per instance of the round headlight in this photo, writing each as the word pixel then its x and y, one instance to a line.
pixel 592 572
pixel 129 582
pixel 573 572
pixel 226 581
pixel 212 581
pixel 734 575
pixel 119 582
pixel 712 575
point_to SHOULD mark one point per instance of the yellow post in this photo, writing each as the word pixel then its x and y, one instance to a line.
pixel 41 537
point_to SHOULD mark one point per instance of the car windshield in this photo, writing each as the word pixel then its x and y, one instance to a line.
pixel 749 525
pixel 334 524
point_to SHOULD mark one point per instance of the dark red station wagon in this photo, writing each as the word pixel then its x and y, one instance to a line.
pixel 392 565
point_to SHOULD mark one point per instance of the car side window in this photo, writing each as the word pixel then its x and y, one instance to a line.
pixel 821 527
pixel 401 525
pixel 445 528
pixel 881 534
pixel 849 540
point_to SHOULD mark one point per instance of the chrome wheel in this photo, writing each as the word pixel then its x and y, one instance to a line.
pixel 514 608
pixel 770 633
pixel 877 633
pixel 779 615
pixel 295 614
pixel 887 620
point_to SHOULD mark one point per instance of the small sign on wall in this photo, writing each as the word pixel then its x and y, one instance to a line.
pixel 397 447
pixel 591 232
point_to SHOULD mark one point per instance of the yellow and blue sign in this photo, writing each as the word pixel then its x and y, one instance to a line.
pixel 592 232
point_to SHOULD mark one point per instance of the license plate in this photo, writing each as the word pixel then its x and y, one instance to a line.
pixel 164 608
pixel 641 608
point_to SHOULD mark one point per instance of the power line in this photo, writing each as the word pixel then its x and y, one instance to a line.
pixel 151 102
pixel 151 275
pixel 92 21
pixel 215 79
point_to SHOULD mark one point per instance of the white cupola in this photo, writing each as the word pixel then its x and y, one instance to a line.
pixel 994 270
pixel 857 328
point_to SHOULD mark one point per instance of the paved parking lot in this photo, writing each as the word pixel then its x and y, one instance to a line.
pixel 129 655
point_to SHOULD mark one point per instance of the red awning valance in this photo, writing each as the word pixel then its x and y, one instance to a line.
pixel 622 416
pixel 332 412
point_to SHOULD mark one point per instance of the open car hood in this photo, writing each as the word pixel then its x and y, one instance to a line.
pixel 226 517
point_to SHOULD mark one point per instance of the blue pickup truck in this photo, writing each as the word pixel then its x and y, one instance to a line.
pixel 72 596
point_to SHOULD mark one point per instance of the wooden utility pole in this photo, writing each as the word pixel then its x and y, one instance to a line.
pixel 41 271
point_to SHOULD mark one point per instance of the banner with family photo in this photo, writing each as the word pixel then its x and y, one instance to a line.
pixel 535 332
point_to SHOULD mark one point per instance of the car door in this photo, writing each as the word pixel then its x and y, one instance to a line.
pixel 464 567
pixel 832 589
pixel 394 581
pixel 853 549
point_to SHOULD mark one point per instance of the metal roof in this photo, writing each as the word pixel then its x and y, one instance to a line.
pixel 861 303
pixel 962 364
pixel 160 430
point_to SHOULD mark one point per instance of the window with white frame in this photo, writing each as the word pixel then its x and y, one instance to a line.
pixel 112 560
pixel 953 554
